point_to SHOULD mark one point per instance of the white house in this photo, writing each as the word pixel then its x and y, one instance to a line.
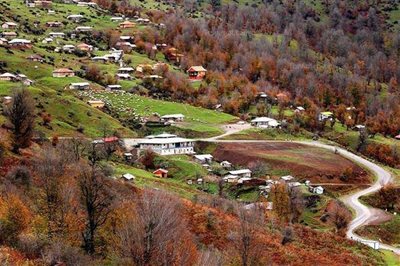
pixel 75 18
pixel 116 19
pixel 68 48
pixel 325 116
pixel 265 122
pixel 57 34
pixel 8 77
pixel 173 117
pixel 9 25
pixel 243 180
pixel 318 190
pixel 287 178
pixel 124 76
pixel 203 158
pixel 226 164
pixel 114 87
pixel 167 144
pixel 79 86
pixel 128 177
pixel 126 70
pixel 83 29
pixel 241 173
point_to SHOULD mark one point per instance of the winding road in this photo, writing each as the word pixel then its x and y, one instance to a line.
pixel 363 214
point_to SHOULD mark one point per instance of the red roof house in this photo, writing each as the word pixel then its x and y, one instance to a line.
pixel 161 173
pixel 196 72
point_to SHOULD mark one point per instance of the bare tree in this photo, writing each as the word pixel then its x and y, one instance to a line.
pixel 50 166
pixel 155 233
pixel 20 113
pixel 245 237
pixel 96 199
pixel 339 215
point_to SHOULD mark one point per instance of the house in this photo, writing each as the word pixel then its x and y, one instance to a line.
pixel 75 18
pixel 8 77
pixel 35 58
pixel 79 86
pixel 294 184
pixel 3 41
pixel 126 46
pixel 226 164
pixel 325 116
pixel 68 48
pixel 172 118
pixel 63 73
pixel 167 144
pixel 287 178
pixel 100 59
pixel 143 21
pixel 196 72
pixel 126 25
pixel 124 76
pixel 231 178
pixel 20 43
pixel 114 87
pixel 83 29
pixel 53 24
pixel 114 19
pixel 397 137
pixel 161 173
pixel 27 82
pixel 9 34
pixel 128 177
pixel 203 158
pixel 244 180
pixel 299 109
pixel 43 3
pixel 7 99
pixel 57 35
pixel 9 25
pixel 152 77
pixel 317 190
pixel 47 40
pixel 173 55
pixel 87 4
pixel 241 173
pixel 265 122
pixel 85 47
pixel 96 103
pixel 359 127
pixel 126 70
pixel 128 156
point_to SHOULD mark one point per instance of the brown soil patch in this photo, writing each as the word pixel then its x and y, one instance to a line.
pixel 304 162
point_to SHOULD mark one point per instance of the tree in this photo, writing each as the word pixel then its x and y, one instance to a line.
pixel 154 232
pixel 148 159
pixel 244 238
pixel 388 196
pixel 20 114
pixel 96 199
pixel 281 200
pixel 339 215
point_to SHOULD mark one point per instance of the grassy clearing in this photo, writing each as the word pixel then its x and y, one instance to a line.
pixel 268 134
pixel 196 118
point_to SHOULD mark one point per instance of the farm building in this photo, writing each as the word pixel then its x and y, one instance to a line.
pixel 126 70
pixel 79 86
pixel 226 164
pixel 241 173
pixel 123 76
pixel 317 190
pixel 196 72
pixel 161 173
pixel 75 18
pixel 57 35
pixel 9 34
pixel 85 47
pixel 8 77
pixel 68 48
pixel 173 55
pixel 96 103
pixel 53 24
pixel 83 29
pixel 63 73
pixel 114 19
pixel 114 87
pixel 265 122
pixel 325 116
pixel 167 144
pixel 203 158
pixel 35 58
pixel 128 177
pixel 20 43
pixel 126 25
pixel 9 25
pixel 231 178
pixel 173 117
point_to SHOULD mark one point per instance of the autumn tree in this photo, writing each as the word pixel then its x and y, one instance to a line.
pixel 338 215
pixel 389 196
pixel 148 159
pixel 281 200
pixel 244 237
pixel 20 114
pixel 155 233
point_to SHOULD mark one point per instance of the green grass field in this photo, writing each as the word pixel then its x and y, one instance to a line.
pixel 196 118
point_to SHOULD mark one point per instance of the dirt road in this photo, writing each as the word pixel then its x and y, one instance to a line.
pixel 363 214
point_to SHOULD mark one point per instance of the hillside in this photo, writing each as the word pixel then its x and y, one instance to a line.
pixel 111 113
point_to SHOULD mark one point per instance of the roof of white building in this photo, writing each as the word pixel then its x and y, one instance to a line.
pixel 203 156
pixel 240 172
pixel 173 116
pixel 263 119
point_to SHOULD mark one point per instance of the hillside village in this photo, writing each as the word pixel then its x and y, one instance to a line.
pixel 131 135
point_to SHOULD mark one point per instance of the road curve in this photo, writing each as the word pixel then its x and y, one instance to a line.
pixel 363 214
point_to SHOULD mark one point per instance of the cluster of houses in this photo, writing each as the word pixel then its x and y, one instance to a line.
pixel 16 78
